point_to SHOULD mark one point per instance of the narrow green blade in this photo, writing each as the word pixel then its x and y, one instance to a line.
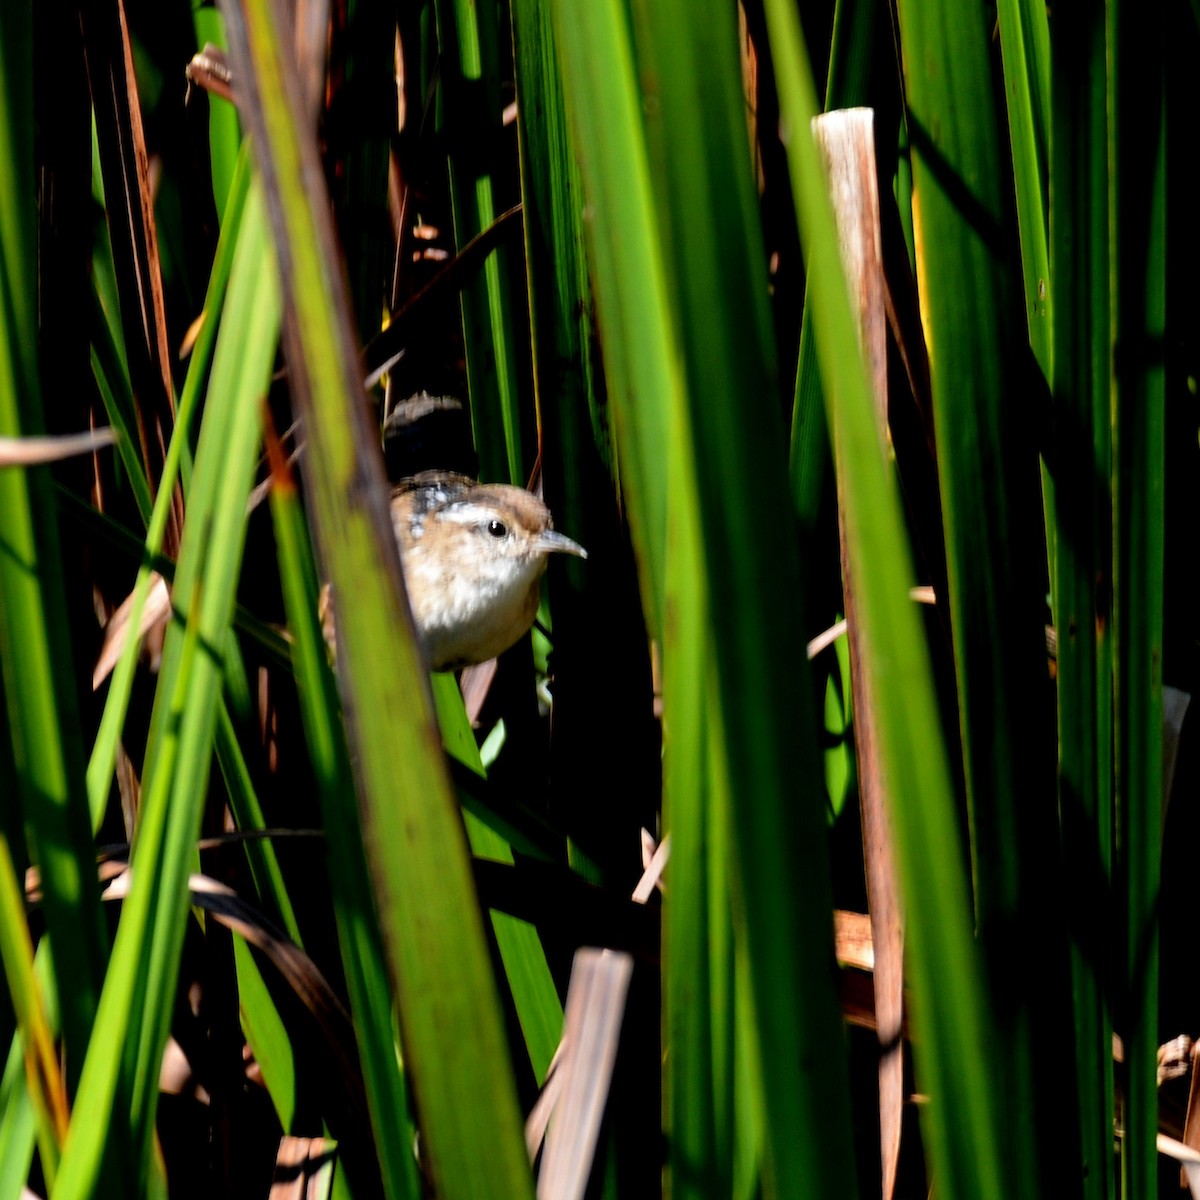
pixel 992 512
pixel 450 1019
pixel 1137 171
pixel 1082 468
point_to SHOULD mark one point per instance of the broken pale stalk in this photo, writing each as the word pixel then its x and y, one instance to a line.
pixel 846 139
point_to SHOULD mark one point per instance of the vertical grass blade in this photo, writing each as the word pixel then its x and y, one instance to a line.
pixel 988 470
pixel 950 1003
pixel 104 749
pixel 247 814
pixel 598 623
pixel 450 1021
pixel 46 1088
pixel 643 373
pixel 530 983
pixel 40 690
pixel 698 812
pixel 468 35
pixel 224 134
pixel 641 360
pixel 560 295
pixel 137 1001
pixel 760 697
pixel 1082 466
pixel 1137 166
pixel 18 1126
pixel 358 931
pixel 700 224
pixel 1025 45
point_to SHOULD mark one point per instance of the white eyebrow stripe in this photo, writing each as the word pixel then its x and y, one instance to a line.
pixel 469 514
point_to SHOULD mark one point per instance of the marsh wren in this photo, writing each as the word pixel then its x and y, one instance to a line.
pixel 473 557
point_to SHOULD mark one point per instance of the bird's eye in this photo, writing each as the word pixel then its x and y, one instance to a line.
pixel 497 529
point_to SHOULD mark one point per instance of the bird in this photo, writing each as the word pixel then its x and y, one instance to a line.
pixel 473 556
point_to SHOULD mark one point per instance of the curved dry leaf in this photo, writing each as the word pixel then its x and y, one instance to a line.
pixel 299 971
pixel 295 967
pixel 157 610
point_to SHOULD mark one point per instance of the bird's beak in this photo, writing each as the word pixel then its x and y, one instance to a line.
pixel 552 542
